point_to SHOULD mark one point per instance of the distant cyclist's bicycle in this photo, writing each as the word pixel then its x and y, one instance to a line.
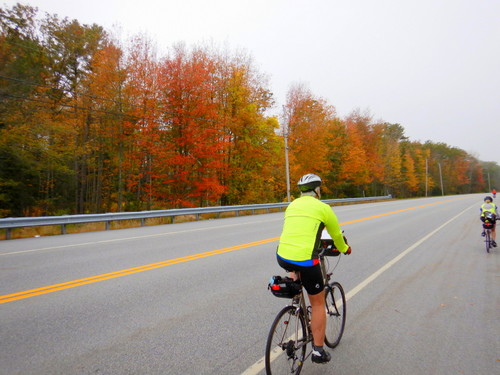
pixel 286 348
pixel 488 224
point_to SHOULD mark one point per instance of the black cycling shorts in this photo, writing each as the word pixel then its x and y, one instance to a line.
pixel 311 277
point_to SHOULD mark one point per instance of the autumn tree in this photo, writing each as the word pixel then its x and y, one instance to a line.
pixel 313 136
pixel 33 137
pixel 337 147
pixel 21 61
pixel 391 136
pixel 71 48
pixel 485 175
pixel 207 140
pixel 193 132
pixel 253 157
pixel 140 138
pixel 104 89
pixel 410 179
pixel 356 168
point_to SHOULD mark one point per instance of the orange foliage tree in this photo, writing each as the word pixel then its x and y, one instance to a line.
pixel 313 137
pixel 191 128
pixel 253 154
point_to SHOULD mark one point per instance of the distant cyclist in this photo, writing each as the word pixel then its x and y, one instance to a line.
pixel 489 213
pixel 305 219
pixel 494 192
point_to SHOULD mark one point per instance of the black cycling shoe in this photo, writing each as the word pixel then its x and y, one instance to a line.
pixel 483 234
pixel 320 357
pixel 493 243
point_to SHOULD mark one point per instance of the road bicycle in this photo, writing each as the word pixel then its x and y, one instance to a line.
pixel 286 347
pixel 487 226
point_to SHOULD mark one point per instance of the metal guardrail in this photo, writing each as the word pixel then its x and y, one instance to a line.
pixel 20 222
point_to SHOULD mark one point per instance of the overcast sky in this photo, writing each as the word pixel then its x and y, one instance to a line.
pixel 432 66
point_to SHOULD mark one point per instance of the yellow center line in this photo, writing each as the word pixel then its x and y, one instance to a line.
pixel 129 271
pixel 395 212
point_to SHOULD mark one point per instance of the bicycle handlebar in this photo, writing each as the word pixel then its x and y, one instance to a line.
pixel 327 246
pixel 497 218
pixel 328 249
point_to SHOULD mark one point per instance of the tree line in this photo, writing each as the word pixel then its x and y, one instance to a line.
pixel 90 124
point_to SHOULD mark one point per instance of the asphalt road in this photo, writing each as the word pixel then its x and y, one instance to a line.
pixel 191 298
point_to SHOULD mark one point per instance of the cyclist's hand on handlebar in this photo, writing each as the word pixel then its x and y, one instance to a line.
pixel 348 251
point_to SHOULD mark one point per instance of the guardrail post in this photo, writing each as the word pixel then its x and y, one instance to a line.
pixel 8 233
pixel 108 225
pixel 143 222
pixel 63 229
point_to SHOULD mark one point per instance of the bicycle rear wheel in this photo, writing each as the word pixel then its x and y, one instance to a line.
pixel 286 343
pixel 335 314
pixel 487 240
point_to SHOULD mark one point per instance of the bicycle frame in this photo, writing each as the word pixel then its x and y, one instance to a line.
pixel 302 307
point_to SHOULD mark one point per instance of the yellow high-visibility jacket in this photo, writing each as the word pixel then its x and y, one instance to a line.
pixel 305 219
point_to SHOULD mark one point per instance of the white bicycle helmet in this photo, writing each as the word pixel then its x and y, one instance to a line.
pixel 309 182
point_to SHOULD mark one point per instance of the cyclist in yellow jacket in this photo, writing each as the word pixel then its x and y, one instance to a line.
pixel 489 213
pixel 305 219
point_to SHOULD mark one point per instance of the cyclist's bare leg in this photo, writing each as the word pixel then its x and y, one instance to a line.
pixel 318 318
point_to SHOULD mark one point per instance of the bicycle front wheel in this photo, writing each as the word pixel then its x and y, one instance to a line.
pixel 286 343
pixel 487 241
pixel 335 314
